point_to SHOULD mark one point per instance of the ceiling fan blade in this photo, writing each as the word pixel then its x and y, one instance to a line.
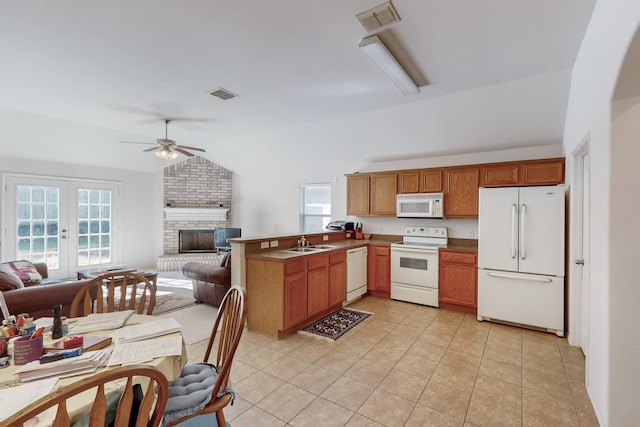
pixel 135 142
pixel 152 149
pixel 192 148
pixel 185 152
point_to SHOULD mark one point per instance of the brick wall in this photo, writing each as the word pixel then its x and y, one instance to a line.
pixel 194 183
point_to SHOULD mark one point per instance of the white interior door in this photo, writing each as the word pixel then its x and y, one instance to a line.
pixel 67 224
pixel 582 250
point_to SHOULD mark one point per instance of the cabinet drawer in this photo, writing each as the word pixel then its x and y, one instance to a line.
pixel 337 257
pixel 317 261
pixel 294 267
pixel 381 250
pixel 458 257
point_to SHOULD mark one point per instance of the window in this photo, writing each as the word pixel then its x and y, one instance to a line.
pixel 315 207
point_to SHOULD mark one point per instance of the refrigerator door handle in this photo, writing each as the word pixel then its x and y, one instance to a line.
pixel 523 213
pixel 514 229
pixel 513 276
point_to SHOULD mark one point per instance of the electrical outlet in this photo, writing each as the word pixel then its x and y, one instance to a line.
pixel 472 234
pixel 380 229
pixel 325 237
pixel 274 243
pixel 348 235
pixel 264 245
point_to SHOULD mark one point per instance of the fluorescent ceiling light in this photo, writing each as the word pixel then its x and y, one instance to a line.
pixel 374 47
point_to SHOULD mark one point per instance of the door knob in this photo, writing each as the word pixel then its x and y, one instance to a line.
pixel 580 261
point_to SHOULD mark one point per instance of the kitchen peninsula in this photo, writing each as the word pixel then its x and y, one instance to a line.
pixel 287 290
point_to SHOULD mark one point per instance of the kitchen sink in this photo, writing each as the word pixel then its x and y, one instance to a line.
pixel 302 249
pixel 323 247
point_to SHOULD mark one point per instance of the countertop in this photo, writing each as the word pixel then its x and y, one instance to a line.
pixel 282 255
pixel 461 245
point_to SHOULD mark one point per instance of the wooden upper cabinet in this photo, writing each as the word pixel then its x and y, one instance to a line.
pixel 408 182
pixel 499 175
pixel 534 172
pixel 542 173
pixel 429 181
pixel 383 194
pixel 358 195
pixel 461 192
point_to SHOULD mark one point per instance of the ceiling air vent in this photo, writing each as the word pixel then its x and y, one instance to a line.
pixel 378 17
pixel 222 94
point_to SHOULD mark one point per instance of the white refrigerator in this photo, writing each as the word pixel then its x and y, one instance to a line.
pixel 521 256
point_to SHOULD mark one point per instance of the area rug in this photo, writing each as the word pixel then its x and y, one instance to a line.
pixel 334 325
pixel 171 295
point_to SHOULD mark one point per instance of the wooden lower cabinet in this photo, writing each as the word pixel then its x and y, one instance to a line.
pixel 285 296
pixel 379 271
pixel 458 280
pixel 295 299
pixel 337 277
pixel 317 284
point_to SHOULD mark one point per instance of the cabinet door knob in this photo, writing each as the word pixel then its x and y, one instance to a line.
pixel 580 261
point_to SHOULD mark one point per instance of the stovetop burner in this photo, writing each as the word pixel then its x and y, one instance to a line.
pixel 426 238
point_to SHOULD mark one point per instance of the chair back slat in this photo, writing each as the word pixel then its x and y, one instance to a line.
pixel 62 416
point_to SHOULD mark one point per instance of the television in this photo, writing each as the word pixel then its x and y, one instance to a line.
pixel 220 236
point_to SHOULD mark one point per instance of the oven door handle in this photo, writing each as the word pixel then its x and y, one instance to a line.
pixel 414 251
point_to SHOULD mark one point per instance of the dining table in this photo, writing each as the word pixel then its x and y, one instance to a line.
pixel 170 366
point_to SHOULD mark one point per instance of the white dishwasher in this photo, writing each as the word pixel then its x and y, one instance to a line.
pixel 356 274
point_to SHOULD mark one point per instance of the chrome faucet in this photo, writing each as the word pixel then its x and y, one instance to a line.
pixel 302 242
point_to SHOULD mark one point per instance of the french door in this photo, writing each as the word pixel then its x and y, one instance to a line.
pixel 69 224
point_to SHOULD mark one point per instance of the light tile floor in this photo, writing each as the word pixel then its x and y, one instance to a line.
pixel 409 365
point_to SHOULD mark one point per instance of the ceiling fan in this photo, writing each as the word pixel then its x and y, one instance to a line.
pixel 167 148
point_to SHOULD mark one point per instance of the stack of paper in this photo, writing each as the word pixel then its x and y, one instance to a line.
pixel 146 330
pixel 143 351
pixel 85 363
pixel 101 322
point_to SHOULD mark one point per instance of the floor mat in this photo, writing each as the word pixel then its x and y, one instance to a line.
pixel 334 325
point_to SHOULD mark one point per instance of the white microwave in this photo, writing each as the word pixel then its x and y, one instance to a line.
pixel 420 205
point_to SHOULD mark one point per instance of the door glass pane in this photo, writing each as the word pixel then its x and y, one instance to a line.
pixel 94 226
pixel 37 216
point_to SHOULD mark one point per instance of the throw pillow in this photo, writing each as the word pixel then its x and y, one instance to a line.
pixel 26 271
pixel 8 279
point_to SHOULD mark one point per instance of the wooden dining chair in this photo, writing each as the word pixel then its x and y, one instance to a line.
pixel 114 291
pixel 150 409
pixel 211 375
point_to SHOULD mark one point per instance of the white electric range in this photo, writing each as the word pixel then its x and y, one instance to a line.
pixel 414 265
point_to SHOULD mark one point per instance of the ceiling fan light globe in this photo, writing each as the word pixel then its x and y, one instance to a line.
pixel 172 155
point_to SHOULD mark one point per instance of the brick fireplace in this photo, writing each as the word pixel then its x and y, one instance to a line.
pixel 197 196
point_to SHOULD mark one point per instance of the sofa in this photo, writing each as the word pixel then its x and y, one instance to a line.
pixel 38 294
pixel 210 282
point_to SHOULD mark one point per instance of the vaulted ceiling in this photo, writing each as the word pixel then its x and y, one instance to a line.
pixel 78 77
